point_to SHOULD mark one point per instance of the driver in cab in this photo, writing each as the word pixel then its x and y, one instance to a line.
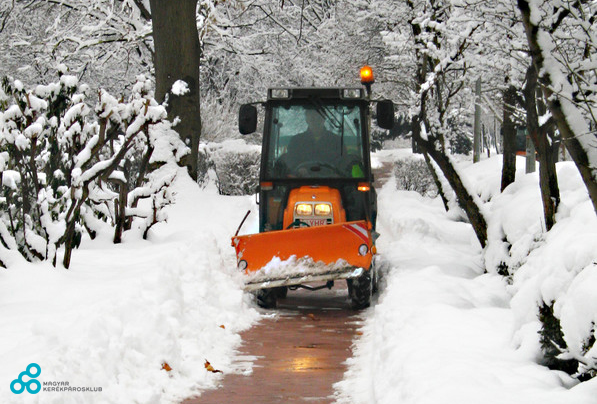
pixel 315 149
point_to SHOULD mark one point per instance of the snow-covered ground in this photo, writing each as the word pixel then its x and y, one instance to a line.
pixel 122 311
pixel 443 330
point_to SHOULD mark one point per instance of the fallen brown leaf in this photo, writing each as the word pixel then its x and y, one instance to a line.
pixel 312 317
pixel 223 327
pixel 166 367
pixel 211 368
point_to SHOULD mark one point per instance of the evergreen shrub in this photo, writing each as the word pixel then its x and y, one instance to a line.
pixel 412 174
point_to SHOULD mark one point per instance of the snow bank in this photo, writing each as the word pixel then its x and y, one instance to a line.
pixel 238 146
pixel 557 267
pixel 388 156
pixel 443 330
pixel 122 311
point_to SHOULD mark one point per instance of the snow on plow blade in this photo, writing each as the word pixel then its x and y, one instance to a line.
pixel 307 254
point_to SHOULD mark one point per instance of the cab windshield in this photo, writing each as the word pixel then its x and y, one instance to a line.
pixel 315 141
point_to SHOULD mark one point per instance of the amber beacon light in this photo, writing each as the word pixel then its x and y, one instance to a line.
pixel 367 75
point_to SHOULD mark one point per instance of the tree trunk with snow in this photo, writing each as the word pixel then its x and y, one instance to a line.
pixel 435 96
pixel 546 150
pixel 463 197
pixel 436 180
pixel 176 57
pixel 509 138
pixel 561 107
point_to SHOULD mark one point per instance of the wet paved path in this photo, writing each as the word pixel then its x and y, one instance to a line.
pixel 383 173
pixel 300 351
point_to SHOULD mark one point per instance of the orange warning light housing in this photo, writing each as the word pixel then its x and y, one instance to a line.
pixel 364 187
pixel 367 75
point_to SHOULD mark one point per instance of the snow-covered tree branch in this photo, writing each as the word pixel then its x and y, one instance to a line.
pixel 567 75
pixel 60 164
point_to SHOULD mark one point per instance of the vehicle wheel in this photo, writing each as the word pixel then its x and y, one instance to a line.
pixel 376 278
pixel 281 292
pixel 359 290
pixel 266 298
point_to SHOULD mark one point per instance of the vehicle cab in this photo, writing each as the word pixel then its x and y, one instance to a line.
pixel 333 163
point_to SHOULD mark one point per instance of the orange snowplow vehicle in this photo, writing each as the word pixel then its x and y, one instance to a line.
pixel 317 204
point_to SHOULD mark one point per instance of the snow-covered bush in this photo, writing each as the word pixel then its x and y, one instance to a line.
pixel 65 169
pixel 238 173
pixel 236 165
pixel 412 174
pixel 553 274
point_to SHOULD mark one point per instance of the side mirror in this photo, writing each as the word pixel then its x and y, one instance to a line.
pixel 385 114
pixel 247 119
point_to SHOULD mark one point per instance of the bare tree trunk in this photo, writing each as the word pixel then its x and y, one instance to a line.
pixel 120 211
pixel 509 138
pixel 577 151
pixel 548 179
pixel 176 57
pixel 70 235
pixel 463 197
pixel 438 184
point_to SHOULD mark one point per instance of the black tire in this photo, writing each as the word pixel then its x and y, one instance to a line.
pixel 281 292
pixel 376 274
pixel 359 290
pixel 266 298
pixel 374 280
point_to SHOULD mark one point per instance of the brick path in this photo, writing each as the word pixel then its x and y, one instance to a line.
pixel 300 351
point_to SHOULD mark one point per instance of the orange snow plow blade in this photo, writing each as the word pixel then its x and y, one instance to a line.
pixel 307 254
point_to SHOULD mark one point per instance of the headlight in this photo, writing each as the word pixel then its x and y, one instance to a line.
pixel 363 249
pixel 304 209
pixel 323 209
pixel 242 265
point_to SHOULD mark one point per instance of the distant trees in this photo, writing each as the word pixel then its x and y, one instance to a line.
pixel 106 43
pixel 289 43
pixel 245 47
pixel 563 47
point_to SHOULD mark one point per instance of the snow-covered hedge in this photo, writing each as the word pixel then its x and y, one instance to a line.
pixel 553 274
pixel 236 166
pixel 444 331
pixel 67 167
pixel 412 174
